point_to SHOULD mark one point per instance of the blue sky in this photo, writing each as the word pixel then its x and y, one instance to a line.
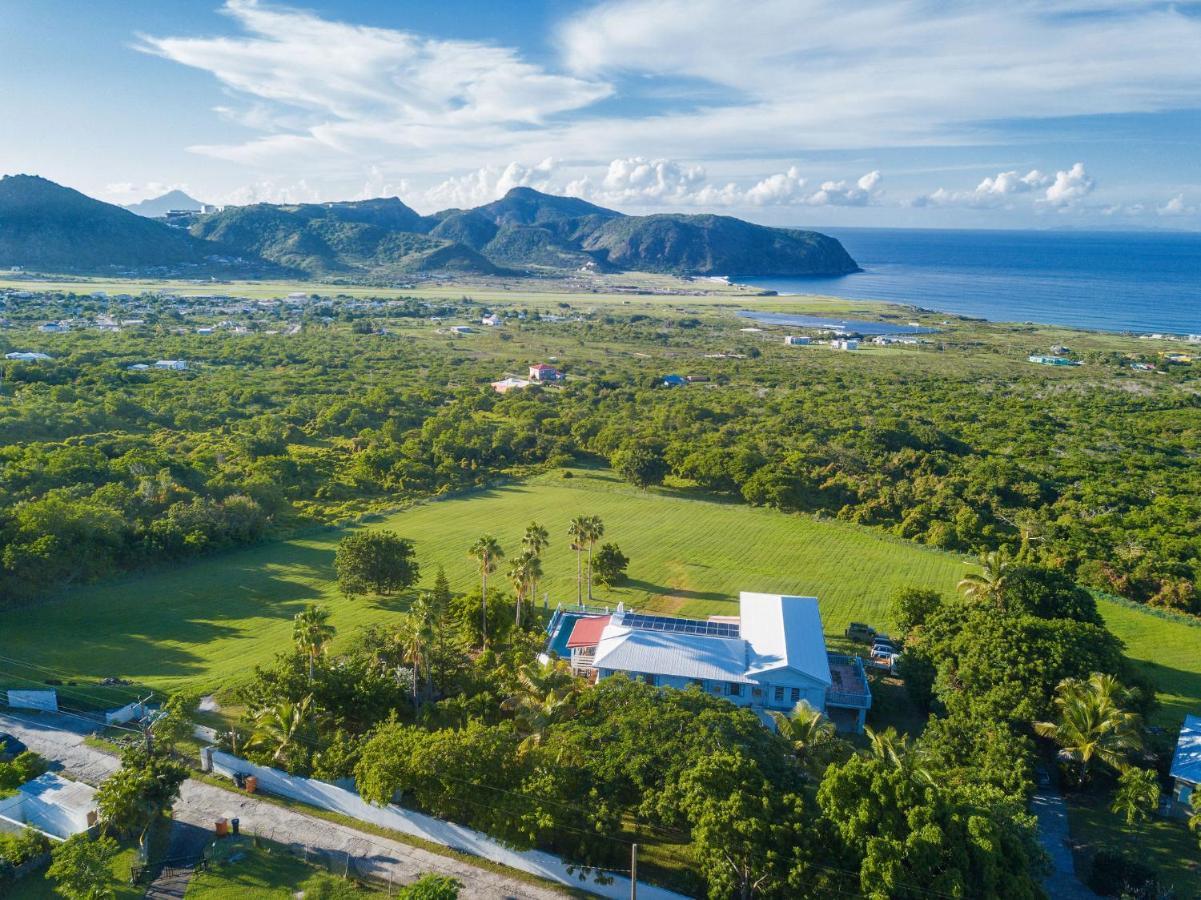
pixel 1056 114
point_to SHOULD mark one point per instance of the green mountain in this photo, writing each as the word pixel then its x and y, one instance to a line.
pixel 376 237
pixel 47 227
pixel 44 226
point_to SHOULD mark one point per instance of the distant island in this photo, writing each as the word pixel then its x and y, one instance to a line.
pixel 47 227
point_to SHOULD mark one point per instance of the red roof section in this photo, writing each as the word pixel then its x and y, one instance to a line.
pixel 587 632
pixel 543 367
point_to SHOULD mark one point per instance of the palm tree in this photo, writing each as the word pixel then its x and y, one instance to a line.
pixel 486 552
pixel 535 540
pixel 807 730
pixel 281 727
pixel 1137 796
pixel 594 531
pixel 888 745
pixel 416 636
pixel 545 695
pixel 524 571
pixel 1092 723
pixel 988 584
pixel 312 633
pixel 578 530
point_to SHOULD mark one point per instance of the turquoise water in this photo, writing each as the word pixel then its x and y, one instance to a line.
pixel 1143 282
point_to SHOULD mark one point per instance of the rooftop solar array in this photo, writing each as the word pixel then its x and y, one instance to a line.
pixel 681 626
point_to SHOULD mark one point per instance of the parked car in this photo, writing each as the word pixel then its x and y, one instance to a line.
pixel 885 646
pixel 857 631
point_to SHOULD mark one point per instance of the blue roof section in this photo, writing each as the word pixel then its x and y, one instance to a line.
pixel 672 653
pixel 1186 763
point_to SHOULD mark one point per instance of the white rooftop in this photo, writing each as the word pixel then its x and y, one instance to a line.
pixel 776 632
pixel 68 795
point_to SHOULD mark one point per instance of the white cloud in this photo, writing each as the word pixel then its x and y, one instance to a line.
pixel 489 183
pixel 842 193
pixel 1065 188
pixel 328 98
pixel 1177 206
pixel 780 189
pixel 1069 186
pixel 638 181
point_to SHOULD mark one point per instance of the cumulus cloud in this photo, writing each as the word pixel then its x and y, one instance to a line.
pixel 1177 206
pixel 638 181
pixel 843 193
pixel 489 183
pixel 780 189
pixel 1064 188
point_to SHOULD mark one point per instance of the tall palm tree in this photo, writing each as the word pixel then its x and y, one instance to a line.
pixel 594 531
pixel 416 637
pixel 281 727
pixel 578 531
pixel 486 551
pixel 524 571
pixel 535 540
pixel 988 584
pixel 312 633
pixel 808 731
pixel 1092 724
pixel 545 695
pixel 888 745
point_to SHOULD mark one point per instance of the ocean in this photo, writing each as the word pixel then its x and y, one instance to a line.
pixel 1140 282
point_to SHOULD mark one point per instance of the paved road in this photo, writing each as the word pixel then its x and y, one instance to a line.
pixel 60 738
pixel 1052 812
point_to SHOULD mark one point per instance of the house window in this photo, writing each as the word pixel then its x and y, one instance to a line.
pixel 778 695
pixel 735 689
pixel 796 695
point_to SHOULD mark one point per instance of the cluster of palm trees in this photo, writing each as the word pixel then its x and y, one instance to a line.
pixel 813 737
pixel 525 569
pixel 546 695
pixel 988 585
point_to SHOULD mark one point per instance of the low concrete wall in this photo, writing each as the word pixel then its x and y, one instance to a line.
pixel 126 713
pixel 347 802
pixel 43 700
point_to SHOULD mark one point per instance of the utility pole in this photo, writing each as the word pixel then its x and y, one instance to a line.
pixel 633 872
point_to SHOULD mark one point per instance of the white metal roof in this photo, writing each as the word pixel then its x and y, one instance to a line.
pixel 1186 763
pixel 784 632
pixel 778 634
pixel 670 653
pixel 61 792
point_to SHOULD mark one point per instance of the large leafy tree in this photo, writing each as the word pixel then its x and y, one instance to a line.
pixel 82 868
pixel 545 694
pixel 147 783
pixel 610 565
pixel 379 561
pixel 640 465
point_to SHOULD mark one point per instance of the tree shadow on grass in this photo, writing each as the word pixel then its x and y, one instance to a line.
pixel 639 584
pixel 1186 685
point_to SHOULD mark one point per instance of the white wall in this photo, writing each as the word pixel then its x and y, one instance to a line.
pixel 45 700
pixel 347 802
pixel 126 713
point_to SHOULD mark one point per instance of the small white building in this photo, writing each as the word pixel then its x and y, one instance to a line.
pixel 796 340
pixel 492 321
pixel 460 329
pixel 55 327
pixel 544 372
pixel 53 805
pixel 845 344
pixel 26 356
pixel 509 384
pixel 175 365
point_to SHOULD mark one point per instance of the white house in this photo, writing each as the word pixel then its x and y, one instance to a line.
pixel 772 657
pixel 845 344
pixel 492 321
pixel 177 365
pixel 795 340
pixel 1186 762
pixel 52 804
pixel 544 372
pixel 26 356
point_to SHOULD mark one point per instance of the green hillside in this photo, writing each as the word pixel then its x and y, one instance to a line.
pixel 206 623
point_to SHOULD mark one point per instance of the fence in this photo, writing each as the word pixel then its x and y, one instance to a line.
pixel 344 800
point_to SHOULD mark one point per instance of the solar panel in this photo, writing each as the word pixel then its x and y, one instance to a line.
pixel 648 622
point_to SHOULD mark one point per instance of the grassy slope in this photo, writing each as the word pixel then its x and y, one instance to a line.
pixel 205 623
pixel 245 872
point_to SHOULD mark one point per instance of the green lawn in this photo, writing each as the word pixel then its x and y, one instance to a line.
pixel 1164 844
pixel 207 623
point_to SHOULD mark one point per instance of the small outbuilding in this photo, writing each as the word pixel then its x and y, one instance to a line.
pixel 52 804
pixel 1186 762
pixel 674 381
pixel 795 340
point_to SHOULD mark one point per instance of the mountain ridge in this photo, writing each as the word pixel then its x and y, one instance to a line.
pixel 44 225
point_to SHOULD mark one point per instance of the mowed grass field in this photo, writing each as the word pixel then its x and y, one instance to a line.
pixel 208 623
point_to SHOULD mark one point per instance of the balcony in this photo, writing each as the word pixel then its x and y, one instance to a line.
pixel 848 683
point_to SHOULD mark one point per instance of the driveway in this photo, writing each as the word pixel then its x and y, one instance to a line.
pixel 339 847
pixel 1052 813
